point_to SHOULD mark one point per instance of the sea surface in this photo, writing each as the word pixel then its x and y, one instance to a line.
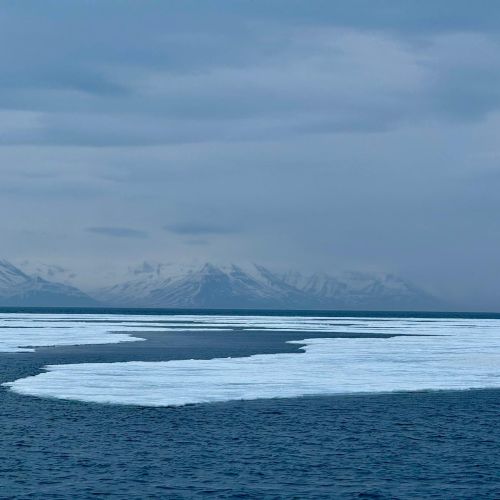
pixel 238 404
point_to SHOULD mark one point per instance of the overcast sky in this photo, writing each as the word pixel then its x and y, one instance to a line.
pixel 318 134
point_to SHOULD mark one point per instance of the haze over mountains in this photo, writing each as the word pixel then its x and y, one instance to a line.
pixel 216 286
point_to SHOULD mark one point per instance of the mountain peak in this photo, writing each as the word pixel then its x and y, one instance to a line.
pixel 18 289
pixel 255 286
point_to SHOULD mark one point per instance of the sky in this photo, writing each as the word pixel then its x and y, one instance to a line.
pixel 316 135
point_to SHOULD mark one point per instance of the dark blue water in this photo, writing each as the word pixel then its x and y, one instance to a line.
pixel 413 445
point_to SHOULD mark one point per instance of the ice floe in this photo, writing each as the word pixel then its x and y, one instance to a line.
pixel 425 354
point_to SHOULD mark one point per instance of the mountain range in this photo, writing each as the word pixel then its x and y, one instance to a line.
pixel 254 286
pixel 221 287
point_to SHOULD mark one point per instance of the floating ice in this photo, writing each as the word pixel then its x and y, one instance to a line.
pixel 24 332
pixel 432 354
pixel 24 338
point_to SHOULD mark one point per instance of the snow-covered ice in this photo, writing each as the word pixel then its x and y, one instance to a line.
pixel 429 354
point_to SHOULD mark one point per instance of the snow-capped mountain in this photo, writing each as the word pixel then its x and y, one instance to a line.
pixel 361 290
pixel 207 286
pixel 214 286
pixel 254 286
pixel 19 289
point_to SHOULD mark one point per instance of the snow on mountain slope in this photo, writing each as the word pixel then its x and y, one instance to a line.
pixel 206 286
pixel 19 289
pixel 361 290
pixel 236 286
pixel 216 286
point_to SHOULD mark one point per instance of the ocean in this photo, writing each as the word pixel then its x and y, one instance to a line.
pixel 248 404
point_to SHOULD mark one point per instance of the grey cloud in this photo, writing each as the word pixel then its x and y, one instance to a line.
pixel 325 73
pixel 197 242
pixel 118 232
pixel 348 133
pixel 28 83
pixel 194 228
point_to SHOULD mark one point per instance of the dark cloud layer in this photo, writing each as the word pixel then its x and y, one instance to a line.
pixel 118 232
pixel 321 135
pixel 197 229
pixel 180 72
